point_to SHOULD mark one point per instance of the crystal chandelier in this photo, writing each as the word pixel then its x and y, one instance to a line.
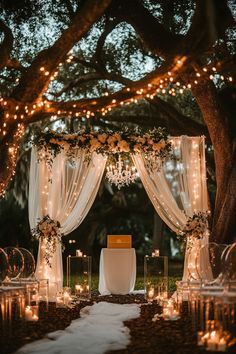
pixel 121 174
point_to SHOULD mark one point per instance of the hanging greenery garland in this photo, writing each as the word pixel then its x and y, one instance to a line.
pixel 154 142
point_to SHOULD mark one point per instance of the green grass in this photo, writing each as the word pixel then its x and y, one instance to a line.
pixel 139 285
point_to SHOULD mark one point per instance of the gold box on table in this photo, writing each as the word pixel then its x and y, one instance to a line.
pixel 119 241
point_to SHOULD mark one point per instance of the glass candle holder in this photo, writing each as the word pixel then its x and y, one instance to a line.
pixel 170 310
pixel 79 276
pixel 156 278
pixel 44 291
pixel 64 297
pixel 217 313
pixel 31 312
pixel 214 338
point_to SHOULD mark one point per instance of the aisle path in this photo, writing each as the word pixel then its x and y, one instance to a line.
pixel 99 329
pixel 147 337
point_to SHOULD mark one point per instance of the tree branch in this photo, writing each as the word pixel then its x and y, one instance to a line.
pixel 97 57
pixel 91 77
pixel 176 121
pixel 153 34
pixel 51 57
pixel 137 89
pixel 6 45
pixel 210 21
pixel 15 64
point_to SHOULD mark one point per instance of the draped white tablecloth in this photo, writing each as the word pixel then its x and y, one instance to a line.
pixel 117 273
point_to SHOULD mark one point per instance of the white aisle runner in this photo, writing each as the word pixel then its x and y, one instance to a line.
pixel 99 329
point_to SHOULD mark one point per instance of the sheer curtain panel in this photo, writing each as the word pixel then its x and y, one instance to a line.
pixel 65 192
pixel 178 190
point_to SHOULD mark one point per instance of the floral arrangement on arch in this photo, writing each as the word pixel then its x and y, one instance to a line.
pixel 153 142
pixel 49 230
pixel 197 226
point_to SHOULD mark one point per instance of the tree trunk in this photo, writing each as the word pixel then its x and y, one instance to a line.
pixel 218 123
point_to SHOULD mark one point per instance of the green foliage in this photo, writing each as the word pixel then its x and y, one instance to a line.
pixel 139 285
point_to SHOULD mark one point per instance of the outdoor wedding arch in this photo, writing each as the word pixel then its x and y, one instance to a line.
pixel 66 172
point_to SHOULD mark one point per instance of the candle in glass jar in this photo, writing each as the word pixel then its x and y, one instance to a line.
pixel 222 345
pixel 35 317
pixel 66 298
pixel 156 253
pixel 212 341
pixel 200 338
pixel 169 312
pixel 59 300
pixel 151 292
pixel 78 288
pixel 79 253
pixel 30 315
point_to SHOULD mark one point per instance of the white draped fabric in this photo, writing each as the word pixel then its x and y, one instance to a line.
pixel 178 190
pixel 65 192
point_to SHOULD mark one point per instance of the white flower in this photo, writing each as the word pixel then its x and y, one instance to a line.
pixel 137 148
pixel 156 147
pixel 48 230
pixel 117 136
pixel 65 145
pixel 111 139
pixel 53 141
pixel 70 136
pixel 196 226
pixel 95 144
pixel 102 138
pixel 123 146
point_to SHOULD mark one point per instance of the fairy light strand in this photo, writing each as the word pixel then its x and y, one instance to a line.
pixel 15 111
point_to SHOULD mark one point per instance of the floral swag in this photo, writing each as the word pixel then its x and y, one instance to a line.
pixel 154 144
pixel 197 226
pixel 48 232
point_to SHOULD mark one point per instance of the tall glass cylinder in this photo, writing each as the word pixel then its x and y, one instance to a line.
pixel 156 277
pixel 32 302
pixel 79 276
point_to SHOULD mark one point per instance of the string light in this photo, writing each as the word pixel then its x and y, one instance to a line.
pixel 165 85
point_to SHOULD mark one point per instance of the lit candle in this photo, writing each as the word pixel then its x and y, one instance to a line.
pixel 200 338
pixel 79 253
pixel 212 341
pixel 78 288
pixel 222 345
pixel 156 253
pixel 66 297
pixel 151 293
pixel 30 315
pixel 59 300
pixel 34 318
pixel 169 313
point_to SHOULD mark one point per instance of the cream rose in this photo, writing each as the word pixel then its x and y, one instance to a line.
pixel 137 148
pixel 123 146
pixel 102 138
pixel 117 136
pixel 162 144
pixel 70 136
pixel 54 141
pixel 156 146
pixel 95 144
pixel 111 139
